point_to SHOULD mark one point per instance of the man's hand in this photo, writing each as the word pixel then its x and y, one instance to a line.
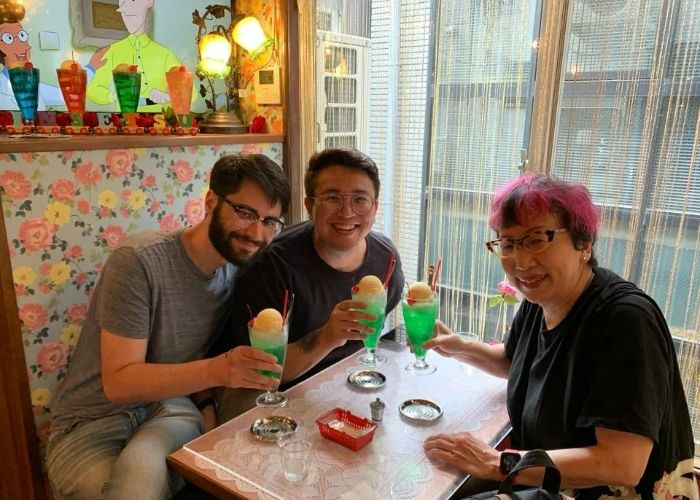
pixel 343 323
pixel 445 341
pixel 97 59
pixel 239 368
pixel 209 414
pixel 465 452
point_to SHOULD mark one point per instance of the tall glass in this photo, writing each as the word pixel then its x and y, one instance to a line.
pixel 180 88
pixel 376 304
pixel 73 82
pixel 25 85
pixel 274 343
pixel 419 317
pixel 128 87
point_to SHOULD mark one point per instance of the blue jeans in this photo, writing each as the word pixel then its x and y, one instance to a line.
pixel 122 457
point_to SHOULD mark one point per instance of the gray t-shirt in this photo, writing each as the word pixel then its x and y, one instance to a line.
pixel 150 289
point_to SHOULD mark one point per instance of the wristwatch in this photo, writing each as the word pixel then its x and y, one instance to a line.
pixel 509 459
pixel 206 402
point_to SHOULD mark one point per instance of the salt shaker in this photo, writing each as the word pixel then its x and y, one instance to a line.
pixel 377 409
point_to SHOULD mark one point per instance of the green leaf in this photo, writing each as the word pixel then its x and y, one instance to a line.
pixel 509 299
pixel 494 300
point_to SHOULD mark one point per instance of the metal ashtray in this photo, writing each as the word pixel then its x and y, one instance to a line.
pixel 268 429
pixel 420 409
pixel 366 379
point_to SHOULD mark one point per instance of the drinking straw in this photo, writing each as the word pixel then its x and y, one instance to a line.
pixel 284 304
pixel 250 311
pixel 390 270
pixel 435 274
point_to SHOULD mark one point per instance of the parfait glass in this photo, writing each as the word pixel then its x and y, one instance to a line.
pixel 128 87
pixel 274 343
pixel 376 304
pixel 73 82
pixel 25 85
pixel 419 317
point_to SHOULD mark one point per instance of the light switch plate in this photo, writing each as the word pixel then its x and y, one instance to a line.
pixel 48 40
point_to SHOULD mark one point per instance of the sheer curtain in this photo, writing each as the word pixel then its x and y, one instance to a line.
pixel 627 127
pixel 484 68
pixel 453 110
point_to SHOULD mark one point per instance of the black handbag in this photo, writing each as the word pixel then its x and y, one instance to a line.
pixel 550 483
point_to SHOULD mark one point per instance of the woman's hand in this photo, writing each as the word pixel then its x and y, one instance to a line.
pixel 446 342
pixel 465 452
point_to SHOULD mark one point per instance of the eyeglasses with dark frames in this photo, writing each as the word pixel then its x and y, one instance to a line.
pixel 246 216
pixel 534 242
pixel 332 203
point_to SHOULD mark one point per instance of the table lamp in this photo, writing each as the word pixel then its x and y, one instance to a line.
pixel 216 60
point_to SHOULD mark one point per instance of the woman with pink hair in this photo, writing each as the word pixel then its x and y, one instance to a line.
pixel 592 373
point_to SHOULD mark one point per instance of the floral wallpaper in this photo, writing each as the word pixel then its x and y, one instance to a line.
pixel 65 212
pixel 268 13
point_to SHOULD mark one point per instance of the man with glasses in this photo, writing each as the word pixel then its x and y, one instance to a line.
pixel 125 404
pixel 319 261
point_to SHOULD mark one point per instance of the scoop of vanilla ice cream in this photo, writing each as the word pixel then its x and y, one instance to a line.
pixel 370 285
pixel 268 321
pixel 420 291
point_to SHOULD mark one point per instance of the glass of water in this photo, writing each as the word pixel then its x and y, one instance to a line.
pixel 295 453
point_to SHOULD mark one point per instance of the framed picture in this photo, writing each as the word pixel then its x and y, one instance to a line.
pixel 97 23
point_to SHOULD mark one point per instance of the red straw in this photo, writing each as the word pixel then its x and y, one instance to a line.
pixel 435 274
pixel 284 305
pixel 390 270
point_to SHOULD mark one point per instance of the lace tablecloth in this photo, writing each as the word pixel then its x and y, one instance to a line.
pixel 393 465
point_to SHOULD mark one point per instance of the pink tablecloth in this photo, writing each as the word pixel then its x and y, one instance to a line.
pixel 393 465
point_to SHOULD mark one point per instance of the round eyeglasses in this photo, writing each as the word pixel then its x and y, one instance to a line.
pixel 246 216
pixel 535 242
pixel 332 203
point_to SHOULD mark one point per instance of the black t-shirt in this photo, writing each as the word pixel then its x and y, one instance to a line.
pixel 291 263
pixel 609 363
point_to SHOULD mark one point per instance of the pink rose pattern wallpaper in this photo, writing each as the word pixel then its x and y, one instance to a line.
pixel 66 211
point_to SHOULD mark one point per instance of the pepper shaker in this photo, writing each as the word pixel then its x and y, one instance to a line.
pixel 377 409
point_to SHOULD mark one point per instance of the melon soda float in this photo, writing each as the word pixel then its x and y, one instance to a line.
pixel 372 292
pixel 420 309
pixel 269 332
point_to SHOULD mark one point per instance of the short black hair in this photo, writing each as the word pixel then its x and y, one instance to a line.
pixel 229 171
pixel 344 157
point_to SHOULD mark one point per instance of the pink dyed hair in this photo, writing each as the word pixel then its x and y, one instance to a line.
pixel 531 195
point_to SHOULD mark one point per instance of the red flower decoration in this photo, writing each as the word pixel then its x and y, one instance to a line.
pixel 258 125
pixel 5 118
pixel 90 119
pixel 145 121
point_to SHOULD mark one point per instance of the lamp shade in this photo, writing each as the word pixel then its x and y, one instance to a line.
pixel 214 54
pixel 249 34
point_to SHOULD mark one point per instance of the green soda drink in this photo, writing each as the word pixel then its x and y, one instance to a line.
pixel 268 333
pixel 127 83
pixel 419 315
pixel 371 291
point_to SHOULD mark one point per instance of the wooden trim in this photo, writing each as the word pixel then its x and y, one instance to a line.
pixel 552 44
pixel 83 143
pixel 292 111
pixel 300 98
pixel 19 453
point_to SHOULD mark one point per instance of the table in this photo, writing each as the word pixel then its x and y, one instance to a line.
pixel 230 463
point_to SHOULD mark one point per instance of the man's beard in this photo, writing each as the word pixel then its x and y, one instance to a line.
pixel 222 240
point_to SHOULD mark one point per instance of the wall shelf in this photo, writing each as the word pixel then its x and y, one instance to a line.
pixel 82 142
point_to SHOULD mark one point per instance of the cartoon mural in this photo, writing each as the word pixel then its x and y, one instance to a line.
pixel 16 50
pixel 152 59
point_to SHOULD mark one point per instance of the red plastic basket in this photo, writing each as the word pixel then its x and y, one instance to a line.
pixel 344 428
